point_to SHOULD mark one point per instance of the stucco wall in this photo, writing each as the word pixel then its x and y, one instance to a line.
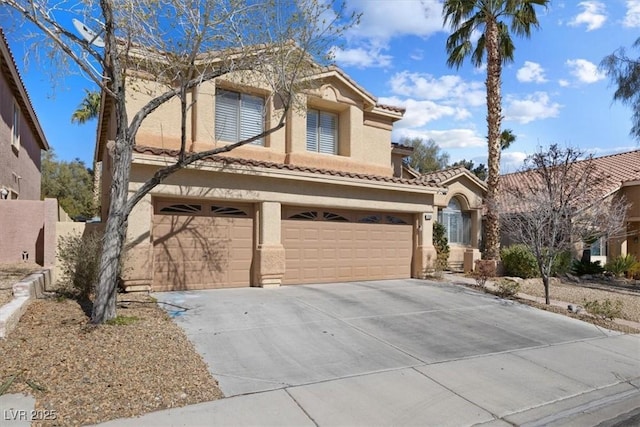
pixel 28 226
pixel 19 169
pixel 364 138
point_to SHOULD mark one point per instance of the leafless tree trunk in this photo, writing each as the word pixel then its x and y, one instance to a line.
pixel 556 203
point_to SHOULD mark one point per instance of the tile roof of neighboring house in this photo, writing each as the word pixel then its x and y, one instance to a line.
pixel 444 175
pixel 273 165
pixel 10 69
pixel 615 170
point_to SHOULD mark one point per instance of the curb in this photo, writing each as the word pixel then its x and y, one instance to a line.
pixel 24 291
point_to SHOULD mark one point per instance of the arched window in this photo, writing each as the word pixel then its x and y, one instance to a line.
pixel 457 223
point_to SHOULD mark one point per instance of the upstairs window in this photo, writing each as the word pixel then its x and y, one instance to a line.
pixel 457 223
pixel 322 132
pixel 238 116
pixel 15 127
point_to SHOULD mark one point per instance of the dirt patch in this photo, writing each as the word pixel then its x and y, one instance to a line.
pixel 12 273
pixel 86 374
pixel 6 295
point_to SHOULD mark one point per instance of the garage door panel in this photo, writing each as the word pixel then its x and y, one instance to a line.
pixel 200 252
pixel 344 251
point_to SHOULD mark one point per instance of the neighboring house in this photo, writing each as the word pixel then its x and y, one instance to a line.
pixel 325 199
pixel 21 137
pixel 621 177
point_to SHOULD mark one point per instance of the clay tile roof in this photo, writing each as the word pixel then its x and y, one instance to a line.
pixel 391 108
pixel 272 165
pixel 615 170
pixel 441 176
pixel 10 69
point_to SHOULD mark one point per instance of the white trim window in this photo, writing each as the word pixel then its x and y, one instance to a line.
pixel 239 116
pixel 15 126
pixel 456 222
pixel 322 132
pixel 599 247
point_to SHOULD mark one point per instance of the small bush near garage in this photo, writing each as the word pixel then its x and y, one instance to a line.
pixel 623 265
pixel 79 257
pixel 507 288
pixel 441 244
pixel 519 261
pixel 485 269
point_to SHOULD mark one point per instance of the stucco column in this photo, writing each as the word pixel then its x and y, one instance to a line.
pixel 472 254
pixel 137 272
pixel 425 253
pixel 269 256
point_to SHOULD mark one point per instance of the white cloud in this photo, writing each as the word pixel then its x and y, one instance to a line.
pixel 449 89
pixel 419 113
pixel 593 15
pixel 446 139
pixel 511 161
pixel 563 82
pixel 585 71
pixel 383 20
pixel 361 58
pixel 531 72
pixel 632 17
pixel 536 106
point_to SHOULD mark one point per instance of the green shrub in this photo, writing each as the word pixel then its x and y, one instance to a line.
pixel 519 261
pixel 507 288
pixel 441 244
pixel 562 264
pixel 623 265
pixel 580 268
pixel 79 258
pixel 605 309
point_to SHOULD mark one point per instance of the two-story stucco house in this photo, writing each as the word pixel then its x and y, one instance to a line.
pixel 325 199
pixel 21 137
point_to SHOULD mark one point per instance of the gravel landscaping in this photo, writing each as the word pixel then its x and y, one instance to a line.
pixel 574 293
pixel 86 374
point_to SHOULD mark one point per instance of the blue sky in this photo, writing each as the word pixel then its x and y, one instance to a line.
pixel 552 92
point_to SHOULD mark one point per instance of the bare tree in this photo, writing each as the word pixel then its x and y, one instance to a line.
pixel 180 44
pixel 555 203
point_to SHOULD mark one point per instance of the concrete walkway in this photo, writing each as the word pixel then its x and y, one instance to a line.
pixel 400 352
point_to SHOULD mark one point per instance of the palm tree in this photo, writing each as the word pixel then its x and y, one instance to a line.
pixel 494 20
pixel 507 137
pixel 88 109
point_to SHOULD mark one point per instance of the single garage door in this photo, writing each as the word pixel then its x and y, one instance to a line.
pixel 334 246
pixel 201 246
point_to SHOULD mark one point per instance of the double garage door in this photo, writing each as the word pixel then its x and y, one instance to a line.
pixel 211 245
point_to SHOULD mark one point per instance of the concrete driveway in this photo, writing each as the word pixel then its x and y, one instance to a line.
pixel 400 352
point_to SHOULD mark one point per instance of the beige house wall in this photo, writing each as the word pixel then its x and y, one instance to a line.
pixel 364 136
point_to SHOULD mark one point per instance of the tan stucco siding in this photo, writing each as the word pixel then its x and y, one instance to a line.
pixel 632 196
pixel 363 138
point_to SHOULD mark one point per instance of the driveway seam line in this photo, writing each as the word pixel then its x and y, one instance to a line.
pixel 286 390
pixel 495 416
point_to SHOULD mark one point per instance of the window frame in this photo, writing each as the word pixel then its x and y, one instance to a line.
pixel 242 117
pixel 462 233
pixel 316 145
